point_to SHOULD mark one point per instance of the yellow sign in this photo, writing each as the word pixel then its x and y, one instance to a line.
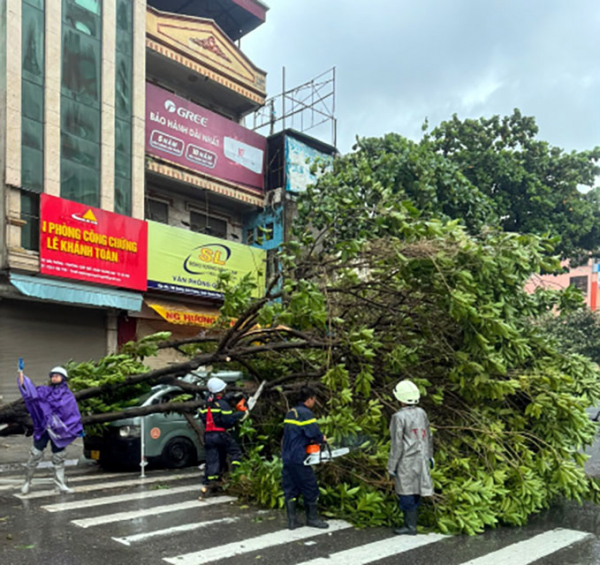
pixel 185 262
pixel 184 315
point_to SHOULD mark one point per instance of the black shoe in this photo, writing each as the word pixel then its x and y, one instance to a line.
pixel 410 524
pixel 209 489
pixel 290 508
pixel 312 517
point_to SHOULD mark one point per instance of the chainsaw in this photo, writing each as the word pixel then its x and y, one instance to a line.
pixel 322 453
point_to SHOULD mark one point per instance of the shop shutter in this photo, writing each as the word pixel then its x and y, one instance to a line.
pixel 45 335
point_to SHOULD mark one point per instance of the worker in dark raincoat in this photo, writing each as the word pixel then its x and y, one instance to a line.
pixel 411 455
pixel 300 431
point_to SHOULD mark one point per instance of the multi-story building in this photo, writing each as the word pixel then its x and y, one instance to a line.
pixel 111 112
pixel 204 171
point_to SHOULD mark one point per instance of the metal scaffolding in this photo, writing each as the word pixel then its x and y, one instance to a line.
pixel 303 107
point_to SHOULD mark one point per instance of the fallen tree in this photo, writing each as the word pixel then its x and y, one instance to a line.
pixel 370 293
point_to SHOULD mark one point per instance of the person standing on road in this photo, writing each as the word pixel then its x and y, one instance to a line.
pixel 411 455
pixel 218 418
pixel 300 431
pixel 56 420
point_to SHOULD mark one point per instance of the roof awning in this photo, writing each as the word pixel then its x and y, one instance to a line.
pixel 184 314
pixel 75 293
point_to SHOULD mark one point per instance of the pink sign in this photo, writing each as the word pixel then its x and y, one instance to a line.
pixel 191 136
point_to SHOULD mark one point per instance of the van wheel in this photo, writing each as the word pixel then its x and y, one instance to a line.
pixel 179 452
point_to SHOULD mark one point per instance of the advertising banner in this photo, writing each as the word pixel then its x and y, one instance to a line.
pixel 299 159
pixel 191 136
pixel 88 244
pixel 186 262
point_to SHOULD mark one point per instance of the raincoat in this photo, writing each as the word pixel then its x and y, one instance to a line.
pixel 411 451
pixel 53 409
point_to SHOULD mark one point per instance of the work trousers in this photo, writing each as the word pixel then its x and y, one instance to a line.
pixel 409 502
pixel 40 444
pixel 299 479
pixel 217 446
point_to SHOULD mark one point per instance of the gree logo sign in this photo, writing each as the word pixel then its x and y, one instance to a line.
pixel 201 258
pixel 186 114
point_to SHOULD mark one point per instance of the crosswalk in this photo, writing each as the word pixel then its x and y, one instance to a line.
pixel 161 518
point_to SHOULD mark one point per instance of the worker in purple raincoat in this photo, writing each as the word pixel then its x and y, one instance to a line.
pixel 56 420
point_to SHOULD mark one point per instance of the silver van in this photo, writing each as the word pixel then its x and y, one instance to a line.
pixel 169 440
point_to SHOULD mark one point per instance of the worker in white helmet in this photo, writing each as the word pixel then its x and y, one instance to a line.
pixel 411 455
pixel 56 420
pixel 219 417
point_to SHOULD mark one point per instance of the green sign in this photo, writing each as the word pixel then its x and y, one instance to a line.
pixel 189 263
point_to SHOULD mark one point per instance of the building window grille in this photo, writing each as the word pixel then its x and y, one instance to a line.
pixel 157 211
pixel 203 223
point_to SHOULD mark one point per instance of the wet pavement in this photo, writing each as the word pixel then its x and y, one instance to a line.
pixel 114 518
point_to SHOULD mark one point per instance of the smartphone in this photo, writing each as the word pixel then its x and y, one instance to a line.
pixel 21 364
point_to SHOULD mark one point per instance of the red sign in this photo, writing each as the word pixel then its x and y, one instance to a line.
pixel 191 136
pixel 93 245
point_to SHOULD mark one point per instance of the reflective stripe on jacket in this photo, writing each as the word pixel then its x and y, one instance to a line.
pixel 300 429
pixel 224 418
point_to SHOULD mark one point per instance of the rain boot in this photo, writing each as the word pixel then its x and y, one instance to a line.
pixel 35 456
pixel 210 488
pixel 312 517
pixel 410 524
pixel 58 463
pixel 290 508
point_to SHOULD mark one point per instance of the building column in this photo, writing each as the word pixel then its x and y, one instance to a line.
pixel 53 63
pixel 112 334
pixel 107 156
pixel 12 154
pixel 13 94
pixel 138 172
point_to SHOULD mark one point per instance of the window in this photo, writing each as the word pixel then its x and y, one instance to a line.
pixel 80 101
pixel 249 236
pixel 580 283
pixel 269 230
pixel 123 106
pixel 203 223
pixel 30 212
pixel 32 120
pixel 157 211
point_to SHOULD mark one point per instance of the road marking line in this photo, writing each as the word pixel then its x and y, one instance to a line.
pixel 534 548
pixel 253 544
pixel 108 486
pixel 371 552
pixel 128 540
pixel 154 511
pixel 17 482
pixel 61 507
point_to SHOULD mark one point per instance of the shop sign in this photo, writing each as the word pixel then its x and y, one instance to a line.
pixel 88 244
pixel 186 262
pixel 186 134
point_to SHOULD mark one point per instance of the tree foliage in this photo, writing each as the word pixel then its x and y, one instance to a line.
pixel 530 185
pixel 379 284
pixel 574 332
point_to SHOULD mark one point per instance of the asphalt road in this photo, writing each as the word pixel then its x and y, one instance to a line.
pixel 117 519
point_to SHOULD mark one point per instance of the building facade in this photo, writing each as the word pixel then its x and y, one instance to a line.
pixel 114 112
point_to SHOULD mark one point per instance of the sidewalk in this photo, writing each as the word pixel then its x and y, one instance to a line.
pixel 14 452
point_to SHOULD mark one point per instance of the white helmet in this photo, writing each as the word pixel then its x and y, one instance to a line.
pixel 216 385
pixel 407 392
pixel 60 371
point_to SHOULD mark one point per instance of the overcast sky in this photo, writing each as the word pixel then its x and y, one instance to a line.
pixel 399 61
